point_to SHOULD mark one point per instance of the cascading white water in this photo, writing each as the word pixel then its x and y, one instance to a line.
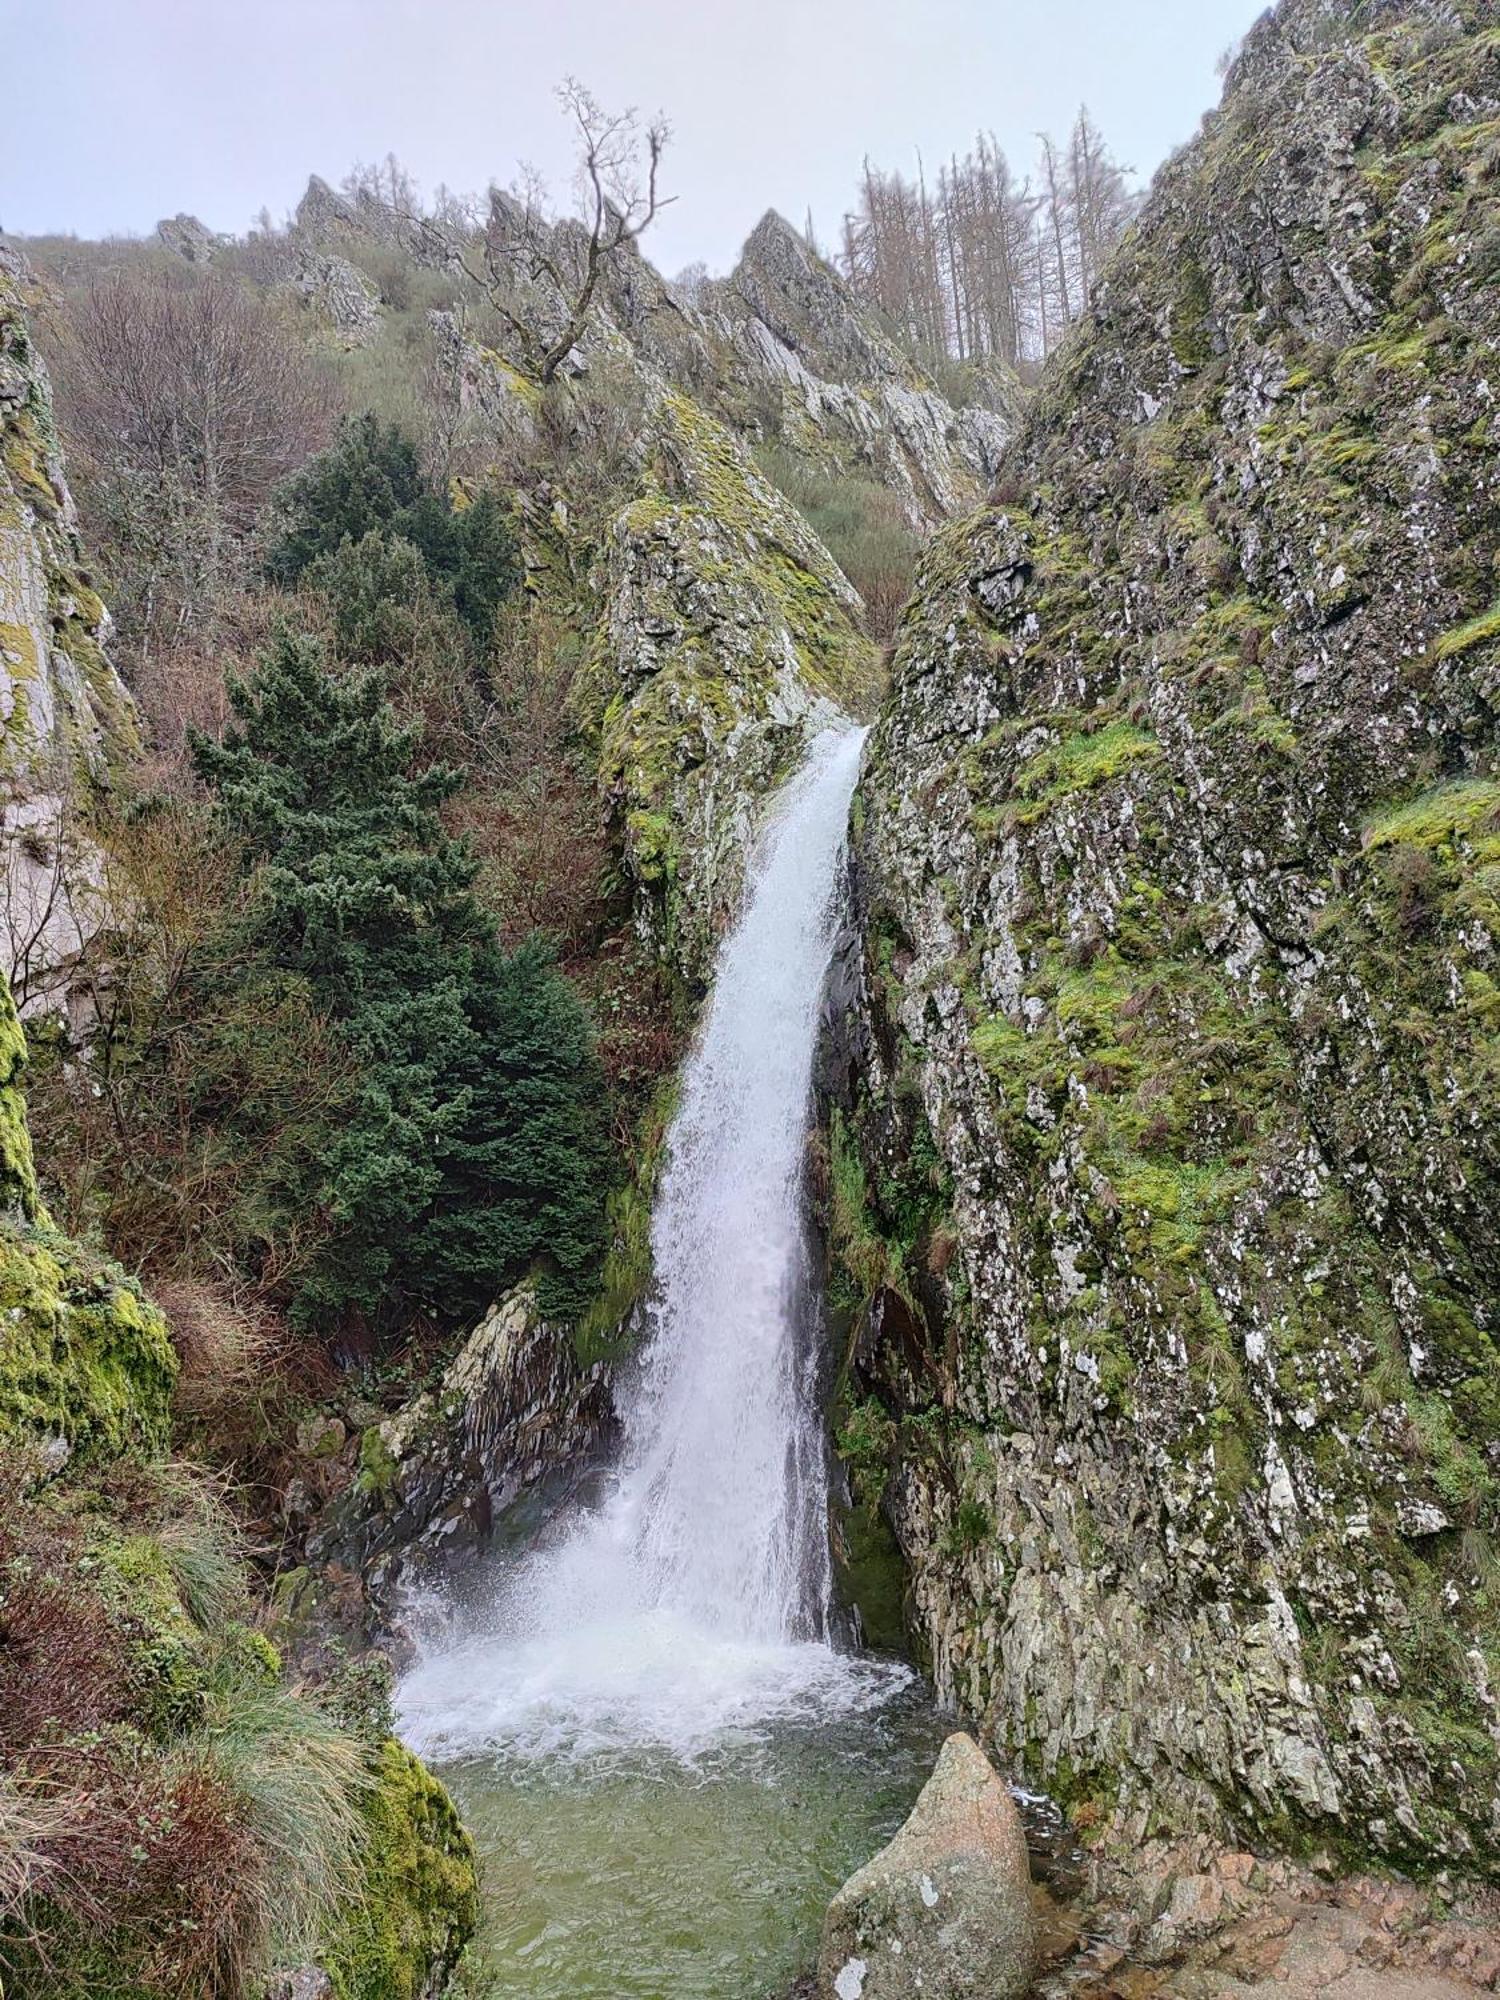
pixel 695 1599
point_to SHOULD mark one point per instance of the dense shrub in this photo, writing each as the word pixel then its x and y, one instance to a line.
pixel 371 484
pixel 861 525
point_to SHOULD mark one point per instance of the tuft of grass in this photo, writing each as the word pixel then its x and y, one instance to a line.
pixel 297 1781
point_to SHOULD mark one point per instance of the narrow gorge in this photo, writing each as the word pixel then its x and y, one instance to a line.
pixel 749 1076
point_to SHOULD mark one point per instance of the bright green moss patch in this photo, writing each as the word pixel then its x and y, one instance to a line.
pixel 18 1190
pixel 419 1899
pixel 1464 638
pixel 85 1356
pixel 1081 761
pixel 627 1262
pixel 1468 810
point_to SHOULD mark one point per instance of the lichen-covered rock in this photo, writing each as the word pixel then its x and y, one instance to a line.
pixel 188 238
pixel 849 399
pixel 731 640
pixel 321 214
pixel 341 295
pixel 65 718
pixel 503 400
pixel 85 1361
pixel 1169 1191
pixel 945 1910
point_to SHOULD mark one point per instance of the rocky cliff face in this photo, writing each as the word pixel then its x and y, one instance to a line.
pixel 730 639
pixel 726 635
pixel 840 392
pixel 65 717
pixel 1168 1190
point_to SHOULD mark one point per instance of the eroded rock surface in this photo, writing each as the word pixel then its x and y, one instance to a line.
pixel 66 720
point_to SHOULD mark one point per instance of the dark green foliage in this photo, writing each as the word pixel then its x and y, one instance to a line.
pixel 473 1145
pixel 369 481
pixel 371 485
pixel 378 595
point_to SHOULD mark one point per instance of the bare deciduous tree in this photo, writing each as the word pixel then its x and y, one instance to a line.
pixel 619 196
pixel 186 402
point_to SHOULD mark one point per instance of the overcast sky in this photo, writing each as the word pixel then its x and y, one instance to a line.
pixel 134 109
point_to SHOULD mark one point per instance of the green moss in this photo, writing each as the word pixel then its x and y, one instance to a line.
pixel 1464 638
pixel 19 648
pixel 169 1658
pixel 627 1262
pixel 419 1900
pixel 871 1573
pixel 86 1357
pixel 376 1477
pixel 1079 762
pixel 1466 810
pixel 18 1189
pixel 862 1251
pixel 1191 337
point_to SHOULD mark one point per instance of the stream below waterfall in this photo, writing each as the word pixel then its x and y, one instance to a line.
pixel 668 1759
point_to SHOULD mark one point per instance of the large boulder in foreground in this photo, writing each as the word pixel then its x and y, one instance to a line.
pixel 944 1911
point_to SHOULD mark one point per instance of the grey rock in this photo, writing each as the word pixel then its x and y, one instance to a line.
pixel 1207 1530
pixel 514 1413
pixel 66 718
pixel 945 1911
pixel 189 238
pixel 308 1982
pixel 342 294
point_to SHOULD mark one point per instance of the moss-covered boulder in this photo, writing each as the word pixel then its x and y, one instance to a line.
pixel 419 1898
pixel 1178 871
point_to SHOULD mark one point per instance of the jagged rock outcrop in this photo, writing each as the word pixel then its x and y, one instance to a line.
pixel 1169 1186
pixel 188 238
pixel 731 639
pixel 516 1411
pixel 66 719
pixel 342 296
pixel 322 215
pixel 848 398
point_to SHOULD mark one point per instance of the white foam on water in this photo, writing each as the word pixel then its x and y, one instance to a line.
pixel 692 1606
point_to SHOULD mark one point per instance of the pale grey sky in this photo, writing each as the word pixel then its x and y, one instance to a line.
pixel 122 111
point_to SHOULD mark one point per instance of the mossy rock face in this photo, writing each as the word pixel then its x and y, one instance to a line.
pixel 420 1898
pixel 67 723
pixel 83 1355
pixel 731 638
pixel 18 1192
pixel 1179 879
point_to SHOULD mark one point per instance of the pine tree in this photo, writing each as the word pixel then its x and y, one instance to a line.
pixel 474 1148
pixel 371 483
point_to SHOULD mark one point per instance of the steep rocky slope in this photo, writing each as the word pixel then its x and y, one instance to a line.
pixel 795 350
pixel 1166 1169
pixel 65 718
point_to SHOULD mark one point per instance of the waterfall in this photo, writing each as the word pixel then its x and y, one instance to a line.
pixel 694 1598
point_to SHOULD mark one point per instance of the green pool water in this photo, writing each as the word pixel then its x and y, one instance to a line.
pixel 634 1875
